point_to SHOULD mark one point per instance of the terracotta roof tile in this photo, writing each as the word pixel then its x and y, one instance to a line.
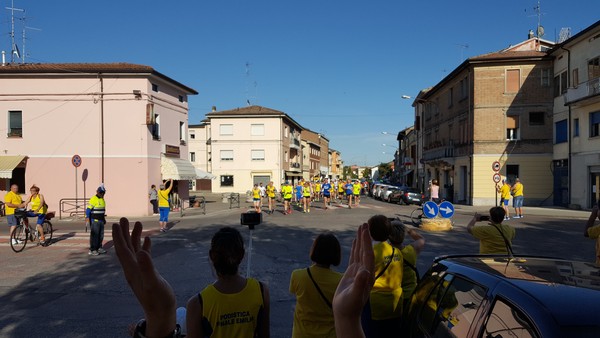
pixel 508 55
pixel 250 110
pixel 75 68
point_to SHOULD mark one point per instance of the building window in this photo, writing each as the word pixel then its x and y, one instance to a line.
pixel 257 129
pixel 575 79
pixel 285 157
pixel 258 155
pixel 512 172
pixel 546 76
pixel 285 131
pixel 156 128
pixel 464 88
pixel 576 128
pixel 450 97
pixel 512 128
pixel 154 87
pixel 192 156
pixel 595 124
pixel 182 132
pixel 181 98
pixel 225 129
pixel 561 83
pixel 192 136
pixel 536 118
pixel 594 68
pixel 513 80
pixel 561 132
pixel 15 123
pixel 227 180
pixel 226 155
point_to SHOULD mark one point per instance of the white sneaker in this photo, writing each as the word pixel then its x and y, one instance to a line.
pixel 517 216
pixel 101 251
pixel 16 241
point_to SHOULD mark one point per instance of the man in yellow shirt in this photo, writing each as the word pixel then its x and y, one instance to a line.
pixel 517 192
pixel 504 191
pixel 495 237
pixel 163 205
pixel 287 192
pixel 12 200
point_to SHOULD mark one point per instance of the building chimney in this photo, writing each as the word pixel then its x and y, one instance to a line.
pixel 531 34
pixel 3 58
pixel 214 108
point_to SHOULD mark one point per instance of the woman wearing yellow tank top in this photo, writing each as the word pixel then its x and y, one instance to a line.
pixel 38 209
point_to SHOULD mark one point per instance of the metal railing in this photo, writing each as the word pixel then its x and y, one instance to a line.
pixel 74 207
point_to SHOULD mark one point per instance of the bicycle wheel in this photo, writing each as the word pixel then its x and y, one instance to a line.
pixel 18 239
pixel 47 227
pixel 416 216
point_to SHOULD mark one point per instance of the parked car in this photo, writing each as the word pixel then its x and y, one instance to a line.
pixel 378 190
pixel 495 296
pixel 387 191
pixel 412 196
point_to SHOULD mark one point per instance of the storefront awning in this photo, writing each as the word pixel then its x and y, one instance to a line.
pixel 8 164
pixel 203 175
pixel 177 169
pixel 292 174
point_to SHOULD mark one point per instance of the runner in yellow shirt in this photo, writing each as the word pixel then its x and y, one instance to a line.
pixel 270 189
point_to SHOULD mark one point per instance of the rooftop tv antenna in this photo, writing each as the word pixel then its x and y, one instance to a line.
pixel 14 47
pixel 248 80
pixel 462 47
pixel 565 34
pixel 538 12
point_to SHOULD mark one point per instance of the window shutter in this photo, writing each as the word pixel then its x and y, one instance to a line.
pixel 512 122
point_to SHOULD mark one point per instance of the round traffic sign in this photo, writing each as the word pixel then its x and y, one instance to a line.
pixel 76 160
pixel 496 166
pixel 497 178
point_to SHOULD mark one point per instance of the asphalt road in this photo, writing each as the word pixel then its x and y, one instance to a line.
pixel 60 291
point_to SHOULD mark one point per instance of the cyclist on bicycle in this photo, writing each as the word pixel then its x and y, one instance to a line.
pixel 38 209
pixel 12 201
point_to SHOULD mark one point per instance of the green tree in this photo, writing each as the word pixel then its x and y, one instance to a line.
pixel 385 170
pixel 366 173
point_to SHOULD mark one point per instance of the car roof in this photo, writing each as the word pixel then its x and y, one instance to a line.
pixel 569 290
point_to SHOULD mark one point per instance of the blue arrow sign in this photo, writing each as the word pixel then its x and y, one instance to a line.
pixel 446 209
pixel 430 209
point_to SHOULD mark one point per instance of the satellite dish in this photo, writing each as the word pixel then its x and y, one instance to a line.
pixel 540 31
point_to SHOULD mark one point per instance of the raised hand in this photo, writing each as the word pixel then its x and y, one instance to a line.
pixel 152 291
pixel 355 286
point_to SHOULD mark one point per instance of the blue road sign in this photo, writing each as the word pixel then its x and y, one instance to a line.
pixel 430 209
pixel 446 209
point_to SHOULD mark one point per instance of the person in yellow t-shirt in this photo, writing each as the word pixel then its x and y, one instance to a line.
pixel 314 288
pixel 306 193
pixel 12 200
pixel 409 254
pixel 504 191
pixel 163 205
pixel 495 237
pixel 270 191
pixel 287 191
pixel 256 198
pixel 593 231
pixel 381 316
pixel 356 192
pixel 517 192
pixel 38 209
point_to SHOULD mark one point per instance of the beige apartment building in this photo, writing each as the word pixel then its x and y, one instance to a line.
pixel 335 163
pixel 493 107
pixel 576 160
pixel 315 154
pixel 248 145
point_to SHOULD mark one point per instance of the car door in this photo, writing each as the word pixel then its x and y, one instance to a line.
pixel 448 309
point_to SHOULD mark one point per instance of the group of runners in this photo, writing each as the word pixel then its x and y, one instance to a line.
pixel 304 192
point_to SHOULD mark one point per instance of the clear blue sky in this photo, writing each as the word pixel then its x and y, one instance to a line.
pixel 337 67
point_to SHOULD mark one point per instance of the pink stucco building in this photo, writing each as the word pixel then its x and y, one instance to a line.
pixel 127 122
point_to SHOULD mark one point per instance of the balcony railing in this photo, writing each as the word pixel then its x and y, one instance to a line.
pixel 585 90
pixel 438 152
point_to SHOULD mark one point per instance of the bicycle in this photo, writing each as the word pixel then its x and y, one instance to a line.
pixel 23 233
pixel 416 216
